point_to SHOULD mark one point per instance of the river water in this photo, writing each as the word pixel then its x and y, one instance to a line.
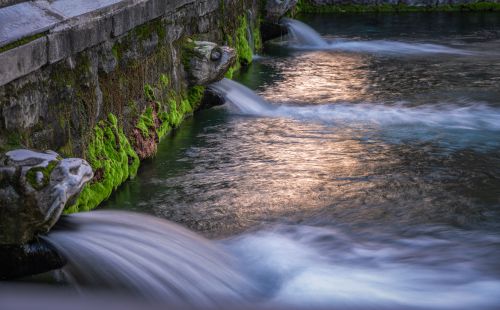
pixel 370 178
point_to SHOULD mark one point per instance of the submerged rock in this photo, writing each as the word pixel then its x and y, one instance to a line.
pixel 275 9
pixel 207 62
pixel 34 189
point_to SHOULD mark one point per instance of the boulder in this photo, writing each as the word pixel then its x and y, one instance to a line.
pixel 275 9
pixel 34 189
pixel 207 62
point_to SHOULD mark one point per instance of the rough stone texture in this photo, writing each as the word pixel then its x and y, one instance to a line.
pixel 22 60
pixel 137 13
pixel 208 62
pixel 278 8
pixel 69 39
pixel 34 189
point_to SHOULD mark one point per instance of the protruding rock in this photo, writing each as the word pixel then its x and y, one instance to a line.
pixel 34 189
pixel 207 62
pixel 275 9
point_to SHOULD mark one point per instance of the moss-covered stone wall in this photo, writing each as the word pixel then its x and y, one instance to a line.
pixel 113 102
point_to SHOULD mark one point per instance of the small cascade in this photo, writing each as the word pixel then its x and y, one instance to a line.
pixel 472 117
pixel 305 37
pixel 145 255
pixel 243 98
pixel 303 34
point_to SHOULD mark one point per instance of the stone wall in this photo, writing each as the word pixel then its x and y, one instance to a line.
pixel 105 80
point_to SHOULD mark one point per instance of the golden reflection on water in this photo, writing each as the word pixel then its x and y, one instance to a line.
pixel 321 77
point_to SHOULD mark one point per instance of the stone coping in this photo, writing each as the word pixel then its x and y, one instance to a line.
pixel 66 27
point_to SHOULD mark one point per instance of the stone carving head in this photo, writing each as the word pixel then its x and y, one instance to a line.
pixel 207 62
pixel 34 189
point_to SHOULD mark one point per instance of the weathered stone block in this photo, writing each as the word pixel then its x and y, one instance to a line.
pixel 22 20
pixel 74 8
pixel 77 36
pixel 22 60
pixel 137 14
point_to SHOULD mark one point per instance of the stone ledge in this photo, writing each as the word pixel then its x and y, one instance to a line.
pixel 72 26
pixel 22 60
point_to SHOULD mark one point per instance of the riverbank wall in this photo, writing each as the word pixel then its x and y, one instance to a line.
pixel 106 80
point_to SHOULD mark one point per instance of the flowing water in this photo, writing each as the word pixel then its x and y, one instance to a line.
pixel 362 171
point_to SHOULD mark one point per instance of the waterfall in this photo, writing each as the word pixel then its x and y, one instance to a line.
pixel 243 98
pixel 303 34
pixel 145 255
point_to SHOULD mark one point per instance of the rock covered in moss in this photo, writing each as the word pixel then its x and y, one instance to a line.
pixel 207 62
pixel 34 189
pixel 275 9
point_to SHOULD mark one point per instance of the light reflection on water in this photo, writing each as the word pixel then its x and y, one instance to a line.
pixel 406 209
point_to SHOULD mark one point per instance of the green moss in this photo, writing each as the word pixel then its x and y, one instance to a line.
pixel 146 122
pixel 164 81
pixel 13 141
pixel 241 44
pixel 46 171
pixel 165 125
pixel 230 72
pixel 174 116
pixel 187 49
pixel 145 31
pixel 305 6
pixel 195 95
pixel 21 42
pixel 149 92
pixel 113 161
pixel 257 39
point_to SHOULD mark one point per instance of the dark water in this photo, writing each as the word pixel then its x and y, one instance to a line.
pixel 373 179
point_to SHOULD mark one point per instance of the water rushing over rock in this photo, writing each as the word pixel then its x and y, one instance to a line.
pixel 146 256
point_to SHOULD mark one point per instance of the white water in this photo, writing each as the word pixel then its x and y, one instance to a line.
pixel 323 267
pixel 285 266
pixel 303 34
pixel 146 256
pixel 305 37
pixel 467 117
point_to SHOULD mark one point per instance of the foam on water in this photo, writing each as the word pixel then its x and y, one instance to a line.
pixel 319 267
pixel 305 37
